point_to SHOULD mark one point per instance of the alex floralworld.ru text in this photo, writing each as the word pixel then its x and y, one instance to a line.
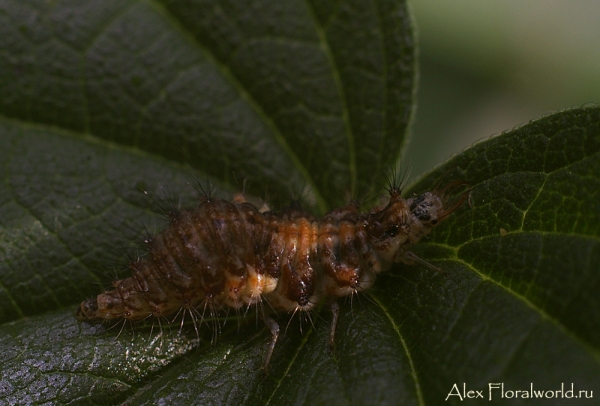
pixel 497 390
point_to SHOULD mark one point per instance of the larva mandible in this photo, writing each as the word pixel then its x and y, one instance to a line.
pixel 224 254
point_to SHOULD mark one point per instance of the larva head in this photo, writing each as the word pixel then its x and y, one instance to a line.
pixel 426 209
pixel 430 208
pixel 87 310
pixel 404 222
pixel 107 306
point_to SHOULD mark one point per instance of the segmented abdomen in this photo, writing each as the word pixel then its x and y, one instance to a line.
pixel 229 254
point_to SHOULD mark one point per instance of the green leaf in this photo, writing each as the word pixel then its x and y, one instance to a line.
pixel 102 101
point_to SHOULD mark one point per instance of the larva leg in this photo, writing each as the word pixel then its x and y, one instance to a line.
pixel 335 310
pixel 410 257
pixel 274 327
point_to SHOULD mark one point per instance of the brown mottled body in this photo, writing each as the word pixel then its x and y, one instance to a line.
pixel 229 254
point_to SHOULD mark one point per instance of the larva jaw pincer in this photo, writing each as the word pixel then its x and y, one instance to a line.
pixel 446 192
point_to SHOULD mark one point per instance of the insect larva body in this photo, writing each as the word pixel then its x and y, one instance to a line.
pixel 224 254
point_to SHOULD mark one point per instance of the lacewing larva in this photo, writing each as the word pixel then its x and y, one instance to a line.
pixel 221 255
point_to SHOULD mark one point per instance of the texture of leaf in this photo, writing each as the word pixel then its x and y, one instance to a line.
pixel 293 93
pixel 525 257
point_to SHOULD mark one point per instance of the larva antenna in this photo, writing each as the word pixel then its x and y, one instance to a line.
pixel 445 194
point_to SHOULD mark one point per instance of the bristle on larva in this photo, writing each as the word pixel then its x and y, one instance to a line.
pixel 224 254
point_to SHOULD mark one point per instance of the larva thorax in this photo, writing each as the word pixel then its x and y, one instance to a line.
pixel 224 254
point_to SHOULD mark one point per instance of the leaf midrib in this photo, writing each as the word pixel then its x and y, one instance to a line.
pixel 247 96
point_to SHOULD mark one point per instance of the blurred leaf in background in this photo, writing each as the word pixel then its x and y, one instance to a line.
pixel 488 66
